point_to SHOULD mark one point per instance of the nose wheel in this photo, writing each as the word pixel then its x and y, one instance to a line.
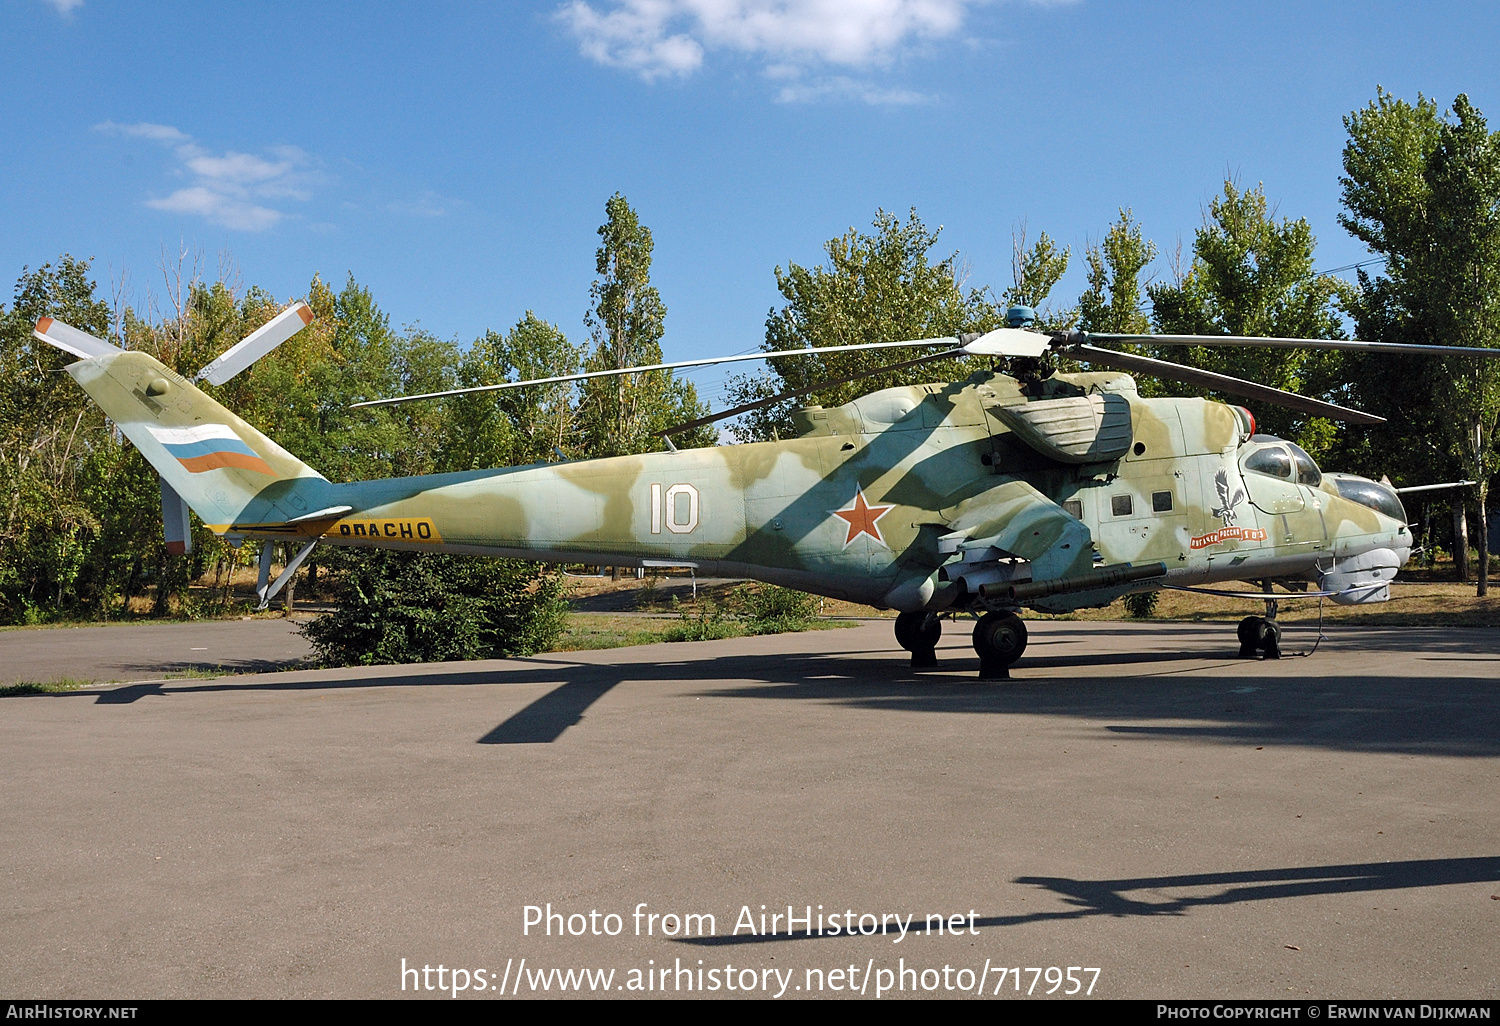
pixel 1261 635
pixel 918 633
pixel 999 638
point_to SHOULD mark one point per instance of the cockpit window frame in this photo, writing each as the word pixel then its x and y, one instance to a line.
pixel 1306 467
pixel 1260 455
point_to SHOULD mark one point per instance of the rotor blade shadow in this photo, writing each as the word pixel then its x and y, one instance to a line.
pixel 1111 897
pixel 544 720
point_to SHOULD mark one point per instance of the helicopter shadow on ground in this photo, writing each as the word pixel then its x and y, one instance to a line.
pixel 1113 898
pixel 207 667
pixel 1177 695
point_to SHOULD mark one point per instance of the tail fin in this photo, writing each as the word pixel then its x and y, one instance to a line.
pixel 235 478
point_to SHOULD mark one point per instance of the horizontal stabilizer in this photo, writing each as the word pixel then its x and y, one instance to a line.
pixel 70 340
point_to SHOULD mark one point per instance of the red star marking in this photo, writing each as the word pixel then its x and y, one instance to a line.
pixel 862 518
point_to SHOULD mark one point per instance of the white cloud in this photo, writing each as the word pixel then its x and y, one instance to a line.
pixel 229 189
pixel 218 208
pixel 426 204
pixel 841 87
pixel 658 38
pixel 143 130
pixel 66 7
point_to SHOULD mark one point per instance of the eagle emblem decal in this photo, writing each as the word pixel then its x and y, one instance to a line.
pixel 1226 514
pixel 1226 511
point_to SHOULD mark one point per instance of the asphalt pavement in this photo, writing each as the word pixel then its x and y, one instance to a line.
pixel 1134 801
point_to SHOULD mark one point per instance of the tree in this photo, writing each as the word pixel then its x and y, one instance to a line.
pixel 518 425
pixel 627 413
pixel 1112 302
pixel 75 525
pixel 875 287
pixel 1253 275
pixel 1035 271
pixel 1423 190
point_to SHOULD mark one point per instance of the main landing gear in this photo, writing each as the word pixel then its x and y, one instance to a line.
pixel 1261 634
pixel 918 633
pixel 999 638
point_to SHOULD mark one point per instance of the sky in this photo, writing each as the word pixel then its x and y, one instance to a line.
pixel 455 158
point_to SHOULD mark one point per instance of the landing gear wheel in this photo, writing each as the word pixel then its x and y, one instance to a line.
pixel 1259 636
pixel 918 633
pixel 1270 639
pixel 999 638
pixel 1249 634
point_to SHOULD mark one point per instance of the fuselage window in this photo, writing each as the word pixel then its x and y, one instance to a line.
pixel 1120 505
pixel 1161 502
pixel 1074 508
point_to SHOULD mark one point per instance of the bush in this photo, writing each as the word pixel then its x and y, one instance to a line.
pixel 751 609
pixel 708 622
pixel 411 607
pixel 771 609
pixel 1141 604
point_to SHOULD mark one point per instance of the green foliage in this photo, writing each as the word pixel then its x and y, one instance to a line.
pixel 61 685
pixel 771 609
pixel 1140 605
pixel 1422 189
pixel 1035 271
pixel 1253 275
pixel 707 621
pixel 519 425
pixel 627 413
pixel 1112 302
pixel 750 609
pixel 407 607
pixel 875 287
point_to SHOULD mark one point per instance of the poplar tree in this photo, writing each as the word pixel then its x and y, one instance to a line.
pixel 1422 189
pixel 626 413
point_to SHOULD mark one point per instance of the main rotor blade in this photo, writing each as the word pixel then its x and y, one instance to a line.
pixel 735 411
pixel 1219 383
pixel 586 375
pixel 1008 342
pixel 257 344
pixel 1353 344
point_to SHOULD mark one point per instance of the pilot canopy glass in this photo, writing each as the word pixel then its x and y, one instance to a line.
pixel 1286 461
pixel 1372 494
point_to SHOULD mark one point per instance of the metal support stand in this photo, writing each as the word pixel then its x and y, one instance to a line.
pixel 267 593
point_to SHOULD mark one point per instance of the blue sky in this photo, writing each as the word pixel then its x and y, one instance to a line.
pixel 455 157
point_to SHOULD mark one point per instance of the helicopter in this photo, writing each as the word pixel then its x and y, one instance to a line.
pixel 1018 487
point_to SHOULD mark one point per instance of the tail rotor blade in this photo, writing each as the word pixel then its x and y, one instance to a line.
pixel 70 340
pixel 1220 383
pixel 257 344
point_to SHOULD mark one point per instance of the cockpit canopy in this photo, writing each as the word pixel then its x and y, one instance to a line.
pixel 1379 497
pixel 1277 457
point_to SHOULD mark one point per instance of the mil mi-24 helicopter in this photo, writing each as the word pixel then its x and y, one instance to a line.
pixel 1018 487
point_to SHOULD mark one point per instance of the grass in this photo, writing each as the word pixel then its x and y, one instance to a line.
pixel 590 631
pixel 51 687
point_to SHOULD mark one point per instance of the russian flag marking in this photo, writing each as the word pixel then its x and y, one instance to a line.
pixel 210 447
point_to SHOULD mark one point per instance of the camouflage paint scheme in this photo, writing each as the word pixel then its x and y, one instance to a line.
pixel 908 497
